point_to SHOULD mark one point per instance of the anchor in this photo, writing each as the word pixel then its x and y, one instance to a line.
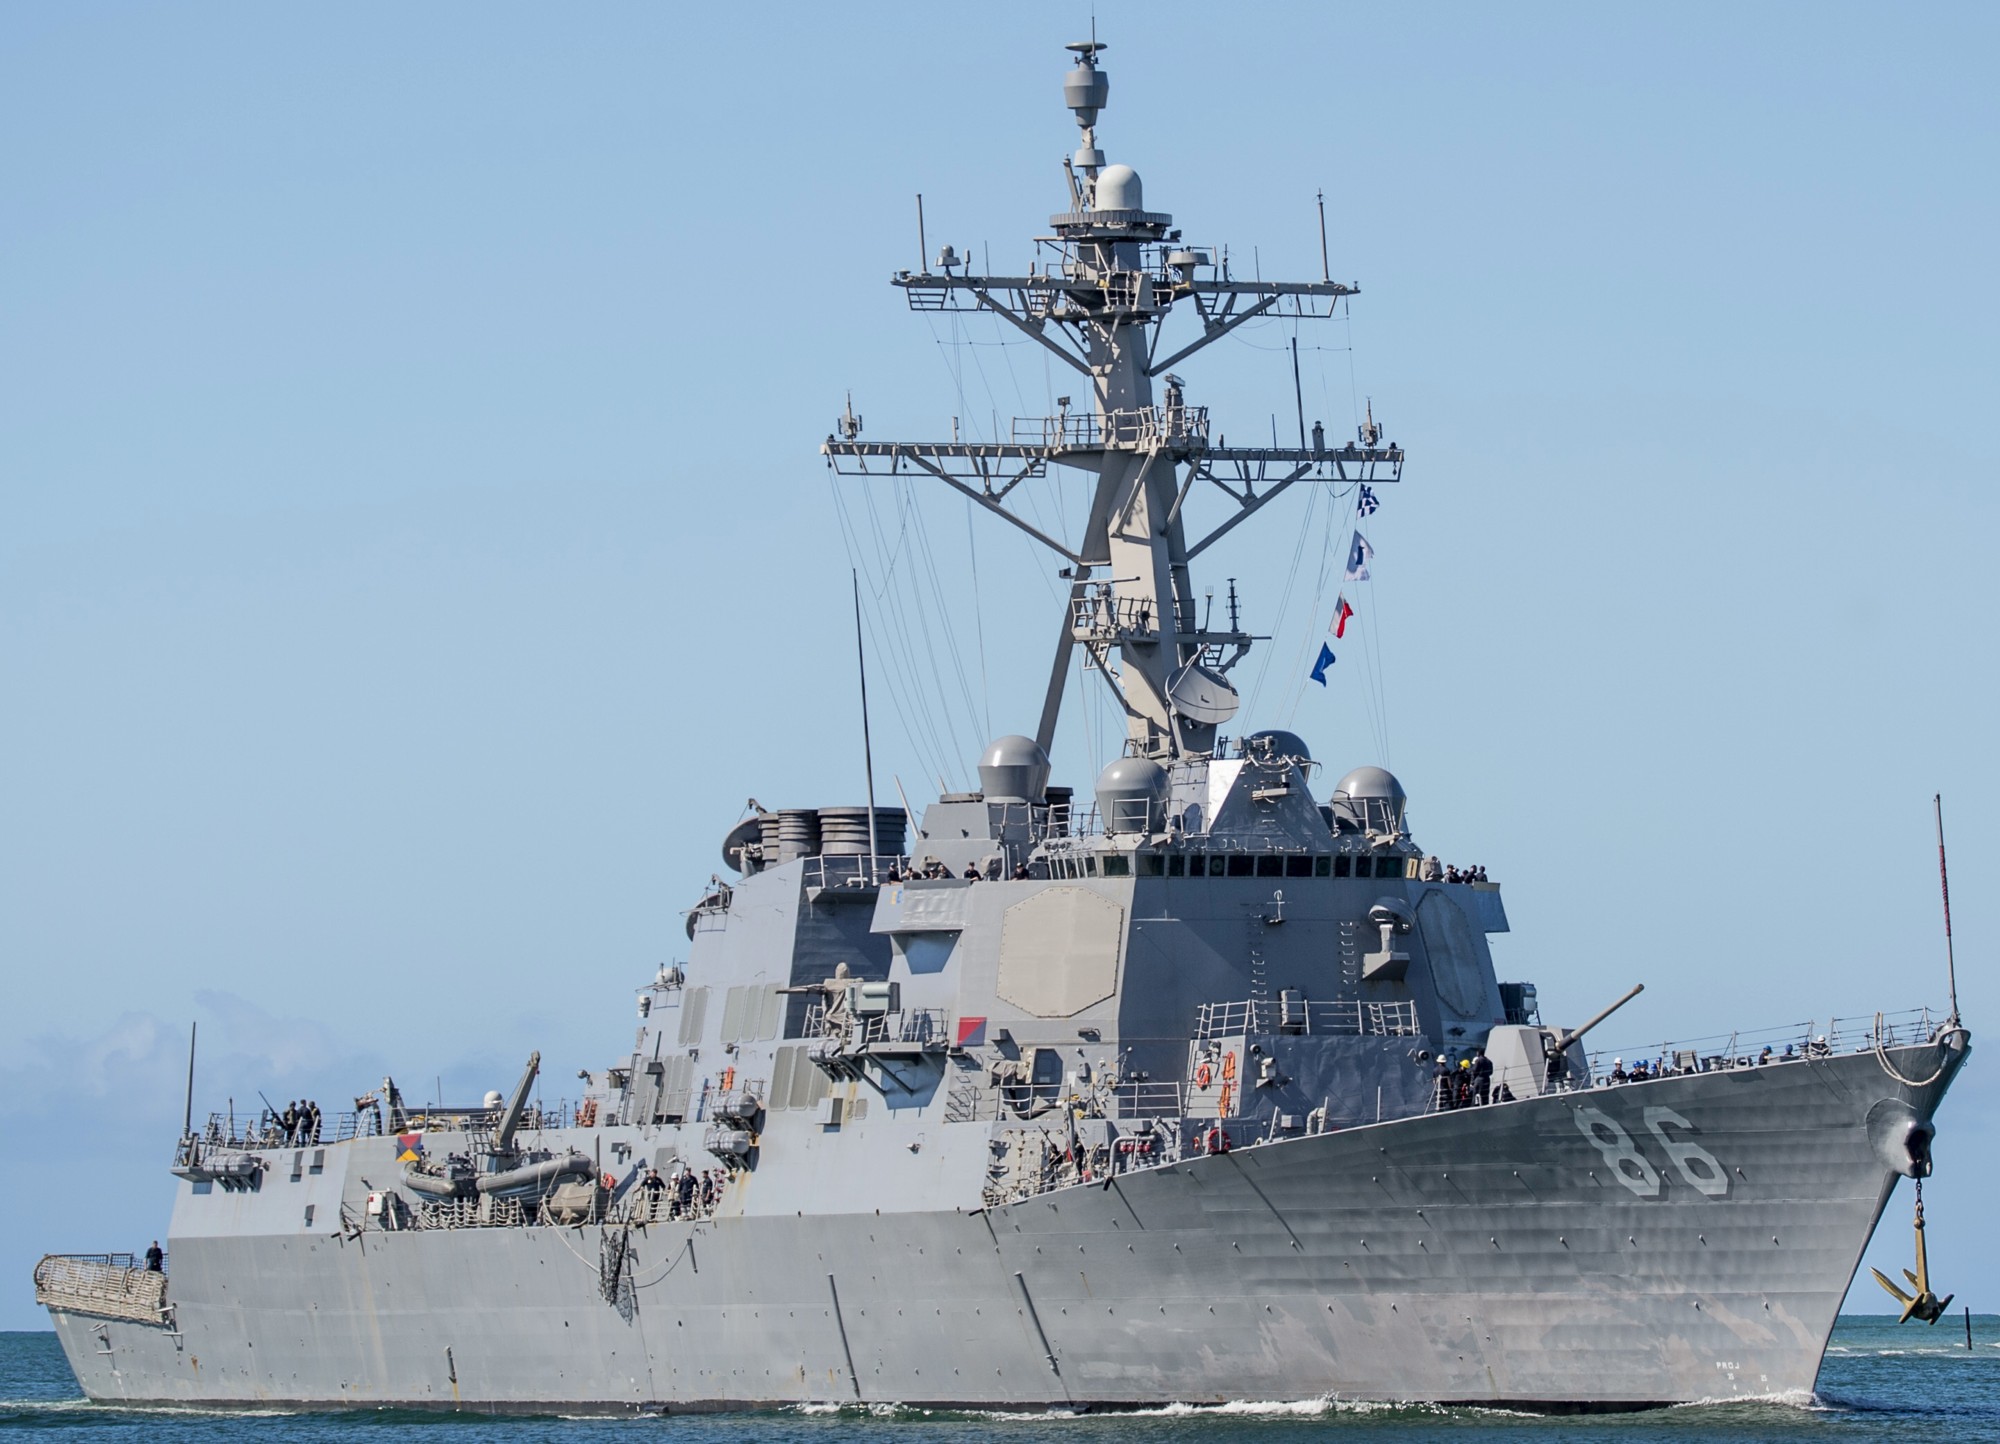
pixel 1924 1304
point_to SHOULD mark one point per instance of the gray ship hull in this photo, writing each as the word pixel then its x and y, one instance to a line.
pixel 1516 1254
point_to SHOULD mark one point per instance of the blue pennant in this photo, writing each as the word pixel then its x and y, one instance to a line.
pixel 1325 661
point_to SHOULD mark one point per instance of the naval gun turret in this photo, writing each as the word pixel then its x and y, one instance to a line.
pixel 1532 1060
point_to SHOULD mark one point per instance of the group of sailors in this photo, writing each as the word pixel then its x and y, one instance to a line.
pixel 299 1123
pixel 1435 871
pixel 931 870
pixel 1468 1084
pixel 687 1194
pixel 1643 1071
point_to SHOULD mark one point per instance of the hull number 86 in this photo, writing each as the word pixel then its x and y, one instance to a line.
pixel 1696 1165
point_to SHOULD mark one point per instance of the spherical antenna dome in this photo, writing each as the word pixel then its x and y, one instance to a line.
pixel 1375 782
pixel 1370 799
pixel 1014 769
pixel 1131 795
pixel 1118 189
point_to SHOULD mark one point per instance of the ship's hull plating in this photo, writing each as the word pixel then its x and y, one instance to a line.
pixel 1488 1255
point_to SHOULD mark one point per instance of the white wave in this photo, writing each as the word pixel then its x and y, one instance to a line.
pixel 1783 1398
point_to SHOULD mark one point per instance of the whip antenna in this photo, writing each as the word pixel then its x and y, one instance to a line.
pixel 1944 885
pixel 867 747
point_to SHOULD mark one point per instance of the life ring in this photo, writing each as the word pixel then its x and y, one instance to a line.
pixel 610 1183
pixel 1203 1074
pixel 1228 1066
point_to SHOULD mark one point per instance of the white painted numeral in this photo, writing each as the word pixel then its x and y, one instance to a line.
pixel 1624 1160
pixel 1695 1163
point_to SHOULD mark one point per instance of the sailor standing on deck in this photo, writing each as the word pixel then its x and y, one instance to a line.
pixel 156 1261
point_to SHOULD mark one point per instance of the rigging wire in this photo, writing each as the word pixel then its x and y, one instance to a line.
pixel 917 731
pixel 1284 601
pixel 979 617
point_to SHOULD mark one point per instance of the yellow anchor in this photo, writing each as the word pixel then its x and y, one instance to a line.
pixel 1924 1304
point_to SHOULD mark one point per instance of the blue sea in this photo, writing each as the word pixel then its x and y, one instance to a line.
pixel 1881 1382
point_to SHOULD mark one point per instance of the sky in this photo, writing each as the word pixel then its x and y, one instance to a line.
pixel 414 550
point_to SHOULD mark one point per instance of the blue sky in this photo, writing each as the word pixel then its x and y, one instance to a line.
pixel 413 549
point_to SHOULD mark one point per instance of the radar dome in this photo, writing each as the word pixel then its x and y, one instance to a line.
pixel 1014 769
pixel 1131 795
pixel 1370 799
pixel 1086 89
pixel 1118 190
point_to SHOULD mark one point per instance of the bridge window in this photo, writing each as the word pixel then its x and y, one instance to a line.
pixel 1117 866
pixel 1241 866
pixel 1270 867
pixel 1322 866
pixel 1343 866
pixel 1177 865
pixel 1298 866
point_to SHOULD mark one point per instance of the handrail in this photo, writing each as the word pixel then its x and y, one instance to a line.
pixel 1907 1028
pixel 1340 1018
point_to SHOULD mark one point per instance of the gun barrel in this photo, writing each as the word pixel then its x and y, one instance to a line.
pixel 1562 1044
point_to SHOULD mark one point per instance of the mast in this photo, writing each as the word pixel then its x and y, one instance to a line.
pixel 1102 309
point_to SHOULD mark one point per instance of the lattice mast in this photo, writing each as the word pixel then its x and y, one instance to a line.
pixel 1101 305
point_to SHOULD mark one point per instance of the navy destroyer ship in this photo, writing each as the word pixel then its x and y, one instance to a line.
pixel 1200 1088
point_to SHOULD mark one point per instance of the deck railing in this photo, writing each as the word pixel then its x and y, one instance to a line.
pixel 1816 1037
pixel 1298 1015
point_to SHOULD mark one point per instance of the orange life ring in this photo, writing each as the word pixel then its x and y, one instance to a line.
pixel 1203 1075
pixel 1228 1065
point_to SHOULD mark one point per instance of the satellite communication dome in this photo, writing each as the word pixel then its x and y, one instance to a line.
pixel 1118 190
pixel 1014 769
pixel 1131 795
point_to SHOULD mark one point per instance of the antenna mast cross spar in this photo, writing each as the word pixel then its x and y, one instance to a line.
pixel 1103 309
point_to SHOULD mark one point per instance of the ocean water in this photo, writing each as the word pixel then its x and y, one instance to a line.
pixel 1911 1384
